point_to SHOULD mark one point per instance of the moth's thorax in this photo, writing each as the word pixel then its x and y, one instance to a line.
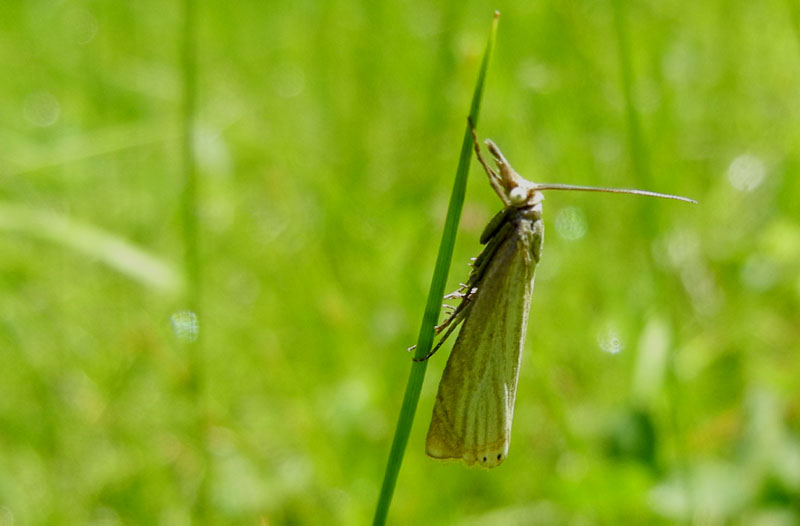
pixel 530 229
pixel 532 212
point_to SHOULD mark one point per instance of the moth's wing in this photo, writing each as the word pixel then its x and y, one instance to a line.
pixel 475 403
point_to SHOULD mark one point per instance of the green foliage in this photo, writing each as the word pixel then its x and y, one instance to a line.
pixel 659 383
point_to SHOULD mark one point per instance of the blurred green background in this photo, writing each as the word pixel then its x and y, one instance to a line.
pixel 660 380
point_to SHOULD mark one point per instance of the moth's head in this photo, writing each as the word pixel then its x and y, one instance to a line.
pixel 523 197
pixel 520 191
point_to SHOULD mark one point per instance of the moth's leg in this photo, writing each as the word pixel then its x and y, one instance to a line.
pixel 442 326
pixel 461 317
pixel 478 269
pixel 459 292
pixel 455 318
pixel 456 310
pixel 473 284
pixel 494 179
pixel 470 289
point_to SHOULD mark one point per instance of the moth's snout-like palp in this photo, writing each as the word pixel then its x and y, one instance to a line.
pixel 518 190
pixel 496 153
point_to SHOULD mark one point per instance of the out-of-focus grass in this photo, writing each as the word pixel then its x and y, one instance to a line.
pixel 325 138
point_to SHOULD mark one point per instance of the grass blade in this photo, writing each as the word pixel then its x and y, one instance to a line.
pixel 109 248
pixel 443 260
pixel 195 387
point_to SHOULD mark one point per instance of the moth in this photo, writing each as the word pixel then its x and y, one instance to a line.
pixel 474 405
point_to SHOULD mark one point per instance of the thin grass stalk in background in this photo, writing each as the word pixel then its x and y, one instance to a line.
pixel 639 154
pixel 794 15
pixel 191 261
pixel 641 164
pixel 434 304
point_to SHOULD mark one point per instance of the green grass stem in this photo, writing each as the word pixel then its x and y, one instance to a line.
pixel 640 157
pixel 639 154
pixel 433 306
pixel 191 260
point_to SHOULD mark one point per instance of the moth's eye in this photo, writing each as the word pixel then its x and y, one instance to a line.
pixel 517 196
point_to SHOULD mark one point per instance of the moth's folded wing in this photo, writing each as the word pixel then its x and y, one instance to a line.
pixel 475 403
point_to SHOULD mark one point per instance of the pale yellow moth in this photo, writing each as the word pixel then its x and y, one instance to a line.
pixel 475 403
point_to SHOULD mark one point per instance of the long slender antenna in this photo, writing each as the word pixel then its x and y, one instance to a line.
pixel 578 188
pixel 508 178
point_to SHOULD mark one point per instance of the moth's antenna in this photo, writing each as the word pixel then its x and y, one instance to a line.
pixel 578 188
pixel 508 177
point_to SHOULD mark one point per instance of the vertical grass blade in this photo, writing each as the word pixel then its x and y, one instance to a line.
pixel 433 306
pixel 191 260
pixel 639 154
pixel 794 15
pixel 641 163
